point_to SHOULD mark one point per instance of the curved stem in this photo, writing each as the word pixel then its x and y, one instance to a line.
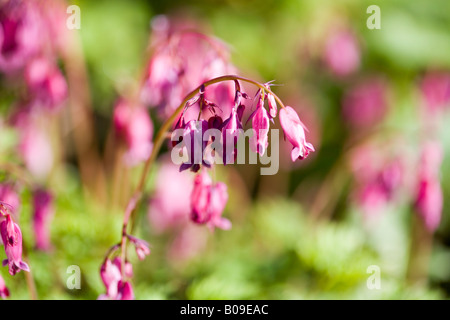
pixel 161 136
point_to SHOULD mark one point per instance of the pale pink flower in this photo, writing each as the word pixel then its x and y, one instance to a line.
pixel 294 131
pixel 342 53
pixel 260 125
pixel 141 246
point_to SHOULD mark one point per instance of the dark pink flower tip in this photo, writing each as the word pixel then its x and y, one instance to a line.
pixel 294 130
pixel 12 240
pixel 230 135
pixel 4 292
pixel 141 246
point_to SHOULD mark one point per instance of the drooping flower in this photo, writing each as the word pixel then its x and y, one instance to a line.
pixel 342 53
pixel 208 201
pixel 294 131
pixel 141 246
pixel 366 103
pixel 20 33
pixel 231 129
pixel 46 83
pixel 260 125
pixel 125 291
pixel 195 145
pixel 429 196
pixel 12 240
pixel 43 214
pixel 4 292
pixel 134 126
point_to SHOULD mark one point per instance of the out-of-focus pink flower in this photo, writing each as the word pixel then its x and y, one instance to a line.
pixel 12 240
pixel 9 195
pixel 429 197
pixel 46 83
pixel 184 59
pixel 342 53
pixel 116 287
pixel 164 212
pixel 4 292
pixel 208 201
pixel 195 145
pixel 366 103
pixel 20 33
pixel 435 87
pixel 134 126
pixel 230 135
pixel 42 217
pixel 141 246
pixel 260 125
pixel 294 131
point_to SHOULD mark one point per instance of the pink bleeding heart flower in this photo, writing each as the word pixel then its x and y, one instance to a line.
pixel 208 202
pixel 272 105
pixel 195 145
pixel 294 131
pixel 12 240
pixel 4 292
pixel 43 214
pixel 429 196
pixel 141 246
pixel 260 125
pixel 231 129
pixel 111 274
pixel 20 33
pixel 46 83
pixel 342 53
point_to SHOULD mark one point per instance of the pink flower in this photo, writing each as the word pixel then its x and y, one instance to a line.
pixel 12 240
pixel 366 103
pixel 208 201
pixel 134 126
pixel 342 53
pixel 20 33
pixel 294 131
pixel 4 292
pixel 9 195
pixel 46 83
pixel 43 214
pixel 231 129
pixel 435 88
pixel 116 287
pixel 195 145
pixel 272 105
pixel 260 125
pixel 141 246
pixel 429 197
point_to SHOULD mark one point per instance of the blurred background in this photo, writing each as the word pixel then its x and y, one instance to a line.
pixel 375 102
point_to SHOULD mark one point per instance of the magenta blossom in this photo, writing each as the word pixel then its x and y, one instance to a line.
pixel 260 125
pixel 20 33
pixel 208 201
pixel 12 240
pixel 4 292
pixel 435 87
pixel 111 274
pixel 134 126
pixel 195 145
pixel 294 131
pixel 429 196
pixel 46 83
pixel 43 214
